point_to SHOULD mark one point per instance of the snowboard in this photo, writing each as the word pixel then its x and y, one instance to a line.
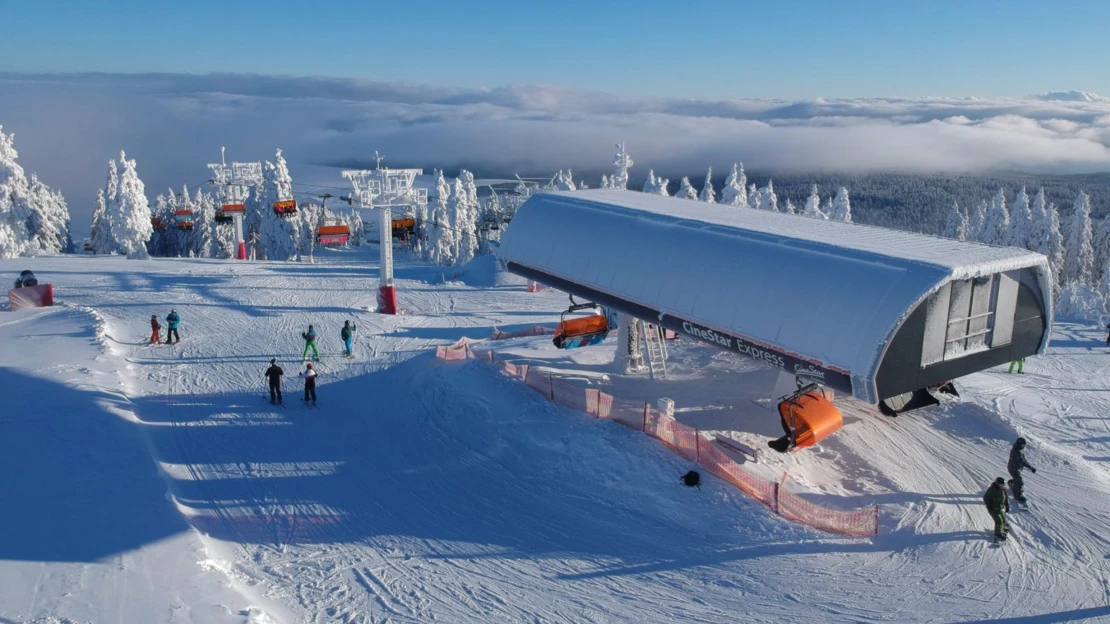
pixel 995 542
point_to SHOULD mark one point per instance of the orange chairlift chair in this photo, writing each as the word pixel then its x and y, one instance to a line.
pixel 583 331
pixel 158 224
pixel 184 219
pixel 808 417
pixel 332 235
pixel 285 207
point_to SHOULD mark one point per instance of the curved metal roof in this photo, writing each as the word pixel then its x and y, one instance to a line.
pixel 825 293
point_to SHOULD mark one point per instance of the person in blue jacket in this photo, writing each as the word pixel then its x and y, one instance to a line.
pixel 348 335
pixel 172 321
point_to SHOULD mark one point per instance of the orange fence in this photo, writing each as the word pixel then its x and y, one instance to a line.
pixel 684 440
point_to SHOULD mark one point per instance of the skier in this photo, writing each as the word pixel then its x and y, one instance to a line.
pixel 172 320
pixel 310 343
pixel 1020 363
pixel 309 376
pixel 998 503
pixel 1016 463
pixel 348 334
pixel 154 329
pixel 273 374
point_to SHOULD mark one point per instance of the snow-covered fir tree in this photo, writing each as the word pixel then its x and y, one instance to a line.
pixel 996 223
pixel 812 208
pixel 735 192
pixel 1053 246
pixel 707 195
pixel 685 191
pixel 442 244
pixel 790 207
pixel 278 236
pixel 1079 254
pixel 223 234
pixel 358 228
pixel 469 213
pixel 1079 301
pixel 204 222
pixel 100 234
pixel 623 162
pixel 312 216
pixel 767 198
pixel 755 197
pixel 605 181
pixel 492 214
pixel 1020 230
pixel 841 206
pixel 656 185
pixel 131 227
pixel 957 223
pixel 975 221
pixel 649 183
pixel 33 217
pixel 564 181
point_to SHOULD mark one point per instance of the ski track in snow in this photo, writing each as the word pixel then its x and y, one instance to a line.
pixel 428 491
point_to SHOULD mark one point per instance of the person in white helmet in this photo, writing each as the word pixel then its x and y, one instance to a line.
pixel 309 376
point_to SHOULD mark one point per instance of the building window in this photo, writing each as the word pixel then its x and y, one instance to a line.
pixel 969 316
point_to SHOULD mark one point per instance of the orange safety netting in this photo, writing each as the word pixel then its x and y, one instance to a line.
pixel 684 440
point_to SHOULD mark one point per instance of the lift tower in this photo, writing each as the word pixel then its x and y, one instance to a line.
pixel 233 184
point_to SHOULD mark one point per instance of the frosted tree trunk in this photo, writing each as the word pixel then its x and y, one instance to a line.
pixel 630 357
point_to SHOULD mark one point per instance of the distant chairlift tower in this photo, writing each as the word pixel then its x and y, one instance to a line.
pixel 385 189
pixel 233 184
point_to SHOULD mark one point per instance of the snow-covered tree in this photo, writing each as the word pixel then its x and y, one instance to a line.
pixel 755 197
pixel 623 162
pixel 442 244
pixel 656 185
pixel 957 223
pixel 605 181
pixel 707 195
pixel 841 207
pixel 278 236
pixel 996 224
pixel 100 235
pixel 734 193
pixel 1079 255
pixel 975 218
pixel 223 234
pixel 358 228
pixel 649 184
pixel 131 226
pixel 564 181
pixel 813 205
pixel 312 216
pixel 1053 246
pixel 1080 301
pixel 493 213
pixel 1020 230
pixel 204 222
pixel 790 207
pixel 767 198
pixel 469 212
pixel 685 191
pixel 33 218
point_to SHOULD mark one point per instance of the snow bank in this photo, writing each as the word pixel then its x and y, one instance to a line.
pixel 486 271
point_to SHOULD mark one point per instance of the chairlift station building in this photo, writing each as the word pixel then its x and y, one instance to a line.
pixel 866 310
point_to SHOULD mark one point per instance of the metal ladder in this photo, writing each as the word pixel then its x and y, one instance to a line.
pixel 656 350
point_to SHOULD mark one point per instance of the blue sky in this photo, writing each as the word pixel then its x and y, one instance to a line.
pixel 646 48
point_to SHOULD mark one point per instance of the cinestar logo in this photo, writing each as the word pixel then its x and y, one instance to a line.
pixel 706 334
pixel 808 370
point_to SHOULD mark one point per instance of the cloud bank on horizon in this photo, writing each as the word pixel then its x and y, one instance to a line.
pixel 68 126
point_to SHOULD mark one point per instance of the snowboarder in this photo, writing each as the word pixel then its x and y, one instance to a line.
pixel 26 279
pixel 348 334
pixel 155 337
pixel 1020 363
pixel 273 374
pixel 172 320
pixel 1015 465
pixel 309 376
pixel 998 503
pixel 310 343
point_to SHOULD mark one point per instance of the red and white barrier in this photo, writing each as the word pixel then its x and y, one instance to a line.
pixel 684 440
pixel 39 296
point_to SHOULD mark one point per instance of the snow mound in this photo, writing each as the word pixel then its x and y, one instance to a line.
pixel 1070 96
pixel 486 271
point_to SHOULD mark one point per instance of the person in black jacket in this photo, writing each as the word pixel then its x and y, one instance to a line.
pixel 997 505
pixel 273 374
pixel 1015 465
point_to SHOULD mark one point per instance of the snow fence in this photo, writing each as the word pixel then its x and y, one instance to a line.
pixel 683 440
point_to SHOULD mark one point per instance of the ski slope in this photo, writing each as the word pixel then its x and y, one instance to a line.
pixel 156 483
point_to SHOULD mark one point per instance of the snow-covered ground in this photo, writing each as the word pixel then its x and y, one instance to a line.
pixel 156 484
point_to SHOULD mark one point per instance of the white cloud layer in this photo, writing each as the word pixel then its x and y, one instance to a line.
pixel 68 126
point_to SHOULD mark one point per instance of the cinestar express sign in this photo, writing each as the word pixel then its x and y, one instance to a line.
pixel 810 371
pixel 789 363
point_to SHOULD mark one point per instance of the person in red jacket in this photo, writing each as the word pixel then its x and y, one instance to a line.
pixel 154 329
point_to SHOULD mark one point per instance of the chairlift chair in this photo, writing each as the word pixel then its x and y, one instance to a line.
pixel 403 227
pixel 226 213
pixel 583 331
pixel 158 224
pixel 332 235
pixel 285 208
pixel 183 219
pixel 808 417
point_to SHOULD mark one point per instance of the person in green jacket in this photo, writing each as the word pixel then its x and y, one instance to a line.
pixel 310 343
pixel 998 503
